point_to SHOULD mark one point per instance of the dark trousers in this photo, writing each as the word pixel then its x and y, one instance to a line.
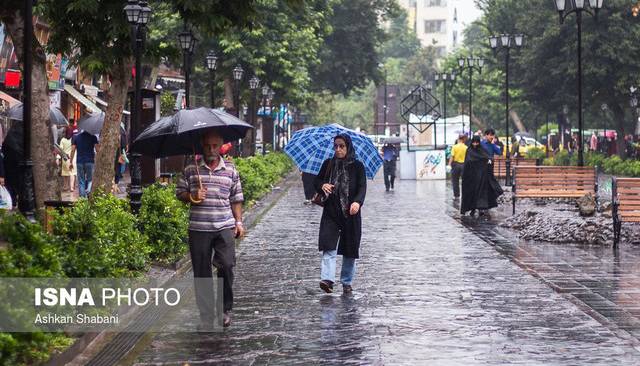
pixel 222 246
pixel 307 184
pixel 456 173
pixel 389 170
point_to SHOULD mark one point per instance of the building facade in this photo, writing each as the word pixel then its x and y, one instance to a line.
pixel 440 23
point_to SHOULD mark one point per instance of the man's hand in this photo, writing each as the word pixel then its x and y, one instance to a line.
pixel 239 230
pixel 327 188
pixel 70 166
pixel 355 207
pixel 2 181
pixel 201 194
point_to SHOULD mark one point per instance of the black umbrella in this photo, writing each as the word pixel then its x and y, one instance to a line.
pixel 92 123
pixel 180 134
pixel 55 115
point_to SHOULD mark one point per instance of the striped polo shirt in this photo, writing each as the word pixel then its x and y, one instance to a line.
pixel 223 188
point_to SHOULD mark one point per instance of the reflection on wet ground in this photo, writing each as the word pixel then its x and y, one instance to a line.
pixel 429 290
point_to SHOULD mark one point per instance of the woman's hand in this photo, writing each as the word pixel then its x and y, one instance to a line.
pixel 355 207
pixel 327 188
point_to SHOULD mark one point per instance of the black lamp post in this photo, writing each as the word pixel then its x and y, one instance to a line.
pixel 212 63
pixel 634 105
pixel 254 83
pixel 187 44
pixel 507 41
pixel 385 106
pixel 265 93
pixel 138 14
pixel 26 200
pixel 604 108
pixel 446 79
pixel 578 7
pixel 470 64
pixel 237 77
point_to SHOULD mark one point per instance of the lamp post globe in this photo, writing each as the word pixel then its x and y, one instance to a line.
pixel 237 73
pixel 212 61
pixel 254 82
pixel 145 13
pixel 132 11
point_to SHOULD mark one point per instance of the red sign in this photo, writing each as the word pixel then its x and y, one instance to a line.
pixel 12 79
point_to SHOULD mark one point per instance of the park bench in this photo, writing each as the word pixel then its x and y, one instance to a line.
pixel 553 182
pixel 625 196
pixel 500 164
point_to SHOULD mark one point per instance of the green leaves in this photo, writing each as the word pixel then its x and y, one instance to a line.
pixel 164 220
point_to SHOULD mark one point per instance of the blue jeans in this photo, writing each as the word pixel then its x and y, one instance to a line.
pixel 328 267
pixel 85 175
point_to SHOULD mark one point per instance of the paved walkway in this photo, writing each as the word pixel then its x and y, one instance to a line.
pixel 428 291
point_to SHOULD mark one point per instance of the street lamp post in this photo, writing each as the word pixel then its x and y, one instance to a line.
pixel 384 107
pixel 265 93
pixel 254 83
pixel 470 64
pixel 238 72
pixel 507 41
pixel 187 43
pixel 634 105
pixel 445 78
pixel 138 14
pixel 26 201
pixel 212 63
pixel 604 108
pixel 578 7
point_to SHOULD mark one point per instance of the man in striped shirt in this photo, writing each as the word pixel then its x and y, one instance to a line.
pixel 214 191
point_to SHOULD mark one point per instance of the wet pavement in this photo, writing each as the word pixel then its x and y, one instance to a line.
pixel 431 288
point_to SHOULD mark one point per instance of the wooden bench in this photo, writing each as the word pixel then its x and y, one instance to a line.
pixel 625 196
pixel 500 164
pixel 553 182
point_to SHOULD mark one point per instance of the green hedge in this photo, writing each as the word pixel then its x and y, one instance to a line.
pixel 164 220
pixel 613 165
pixel 100 238
pixel 31 253
pixel 259 173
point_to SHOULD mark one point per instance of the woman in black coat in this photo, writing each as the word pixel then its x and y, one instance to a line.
pixel 342 179
pixel 480 190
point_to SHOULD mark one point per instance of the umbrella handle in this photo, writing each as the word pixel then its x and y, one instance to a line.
pixel 195 161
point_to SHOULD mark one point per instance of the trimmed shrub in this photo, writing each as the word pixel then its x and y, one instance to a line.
pixel 164 221
pixel 100 238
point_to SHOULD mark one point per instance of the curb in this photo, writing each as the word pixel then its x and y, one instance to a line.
pixel 89 345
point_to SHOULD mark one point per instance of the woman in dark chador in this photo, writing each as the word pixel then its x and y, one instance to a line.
pixel 480 190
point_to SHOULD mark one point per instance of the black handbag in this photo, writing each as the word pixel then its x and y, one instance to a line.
pixel 321 198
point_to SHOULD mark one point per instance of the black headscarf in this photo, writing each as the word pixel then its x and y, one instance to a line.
pixel 340 176
pixel 476 153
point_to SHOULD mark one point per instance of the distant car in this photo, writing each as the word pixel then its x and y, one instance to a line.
pixel 529 143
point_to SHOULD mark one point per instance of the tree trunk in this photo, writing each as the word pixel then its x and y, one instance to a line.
pixel 47 181
pixel 517 121
pixel 229 100
pixel 110 136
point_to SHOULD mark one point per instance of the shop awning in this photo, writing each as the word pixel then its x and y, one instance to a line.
pixel 105 104
pixel 98 100
pixel 9 99
pixel 82 99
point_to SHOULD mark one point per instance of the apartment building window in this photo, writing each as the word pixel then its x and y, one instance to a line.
pixel 441 51
pixel 435 3
pixel 455 15
pixel 434 26
pixel 455 38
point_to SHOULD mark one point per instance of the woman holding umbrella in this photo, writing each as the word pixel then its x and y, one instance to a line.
pixel 343 182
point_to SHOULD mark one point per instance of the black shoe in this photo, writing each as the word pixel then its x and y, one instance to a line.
pixel 326 286
pixel 347 289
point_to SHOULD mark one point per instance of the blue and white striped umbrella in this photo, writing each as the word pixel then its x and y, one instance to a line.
pixel 310 147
